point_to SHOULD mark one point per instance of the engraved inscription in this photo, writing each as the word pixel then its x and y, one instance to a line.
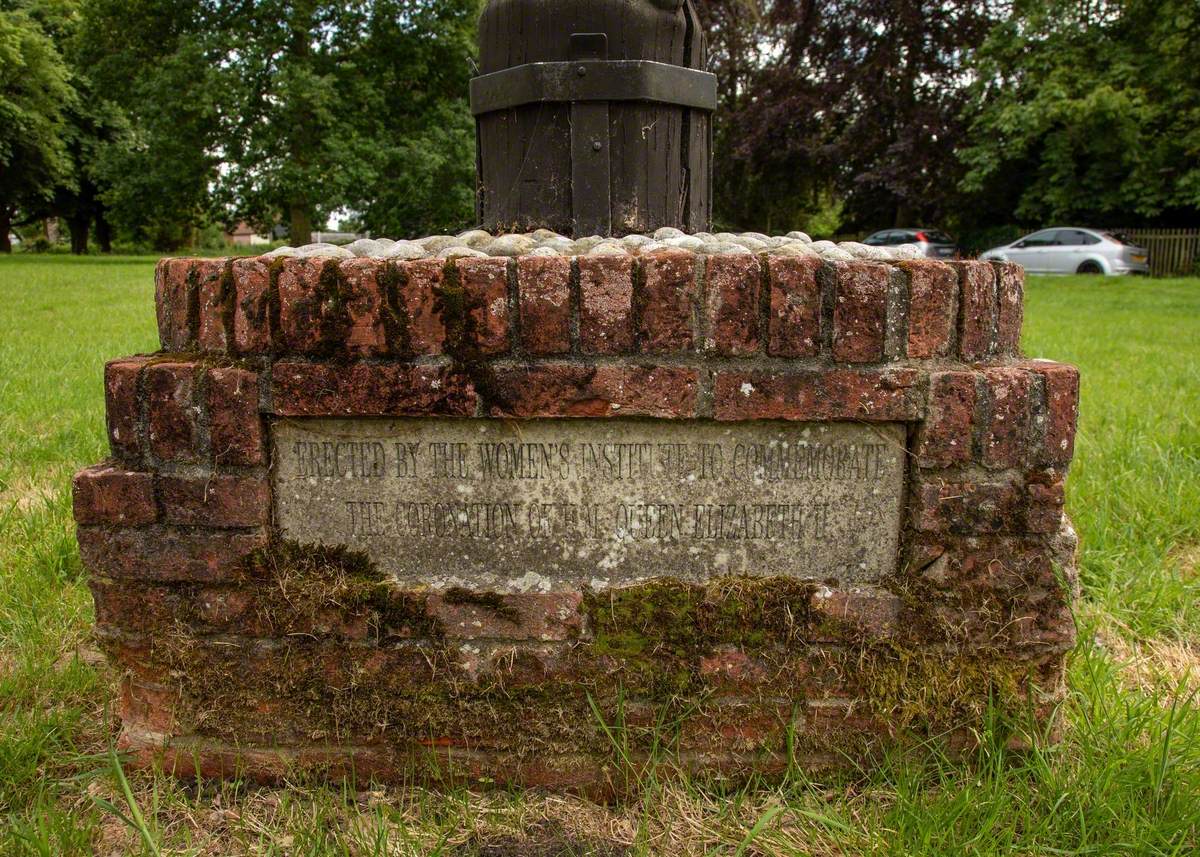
pixel 547 504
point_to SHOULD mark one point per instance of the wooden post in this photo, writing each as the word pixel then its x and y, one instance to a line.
pixel 593 117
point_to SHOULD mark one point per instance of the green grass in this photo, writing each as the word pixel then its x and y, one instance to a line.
pixel 1124 780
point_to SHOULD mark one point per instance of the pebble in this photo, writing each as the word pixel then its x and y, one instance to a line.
pixel 404 251
pixel 511 245
pixel 479 243
pixel 608 248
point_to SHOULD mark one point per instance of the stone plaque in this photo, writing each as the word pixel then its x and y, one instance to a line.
pixel 543 505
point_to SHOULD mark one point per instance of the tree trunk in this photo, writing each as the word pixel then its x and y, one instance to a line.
pixel 103 231
pixel 78 227
pixel 5 227
pixel 300 224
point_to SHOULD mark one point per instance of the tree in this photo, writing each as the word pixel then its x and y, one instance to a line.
pixel 850 101
pixel 34 97
pixel 287 110
pixel 1088 112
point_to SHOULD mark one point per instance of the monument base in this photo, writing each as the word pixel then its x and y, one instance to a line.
pixel 543 520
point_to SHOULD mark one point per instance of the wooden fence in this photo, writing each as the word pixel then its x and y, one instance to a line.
pixel 1173 252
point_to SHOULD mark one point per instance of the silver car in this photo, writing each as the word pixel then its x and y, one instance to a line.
pixel 933 243
pixel 1073 251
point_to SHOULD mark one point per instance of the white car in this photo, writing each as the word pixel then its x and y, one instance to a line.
pixel 1073 251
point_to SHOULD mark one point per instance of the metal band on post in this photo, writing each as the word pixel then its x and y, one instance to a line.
pixel 594 80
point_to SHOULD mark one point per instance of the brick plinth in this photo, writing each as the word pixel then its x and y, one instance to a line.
pixel 244 654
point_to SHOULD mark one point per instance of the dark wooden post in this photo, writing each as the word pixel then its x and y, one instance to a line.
pixel 593 117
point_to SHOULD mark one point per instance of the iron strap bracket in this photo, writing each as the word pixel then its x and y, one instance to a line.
pixel 593 80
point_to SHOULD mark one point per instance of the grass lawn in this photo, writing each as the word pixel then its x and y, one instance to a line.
pixel 1125 779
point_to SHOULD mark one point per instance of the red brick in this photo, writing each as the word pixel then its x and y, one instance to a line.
pixel 932 308
pixel 852 615
pixel 666 300
pixel 111 495
pixel 252 323
pixel 485 287
pixel 422 279
pixel 977 296
pixel 1046 502
pixel 734 287
pixel 1062 411
pixel 172 414
pixel 235 426
pixel 879 396
pixel 544 285
pixel 732 668
pixel 365 294
pixel 147 707
pixel 176 301
pixel 216 303
pixel 364 389
pixel 1010 311
pixel 550 617
pixel 860 311
pixel 569 390
pixel 966 508
pixel 1005 439
pixel 123 407
pixel 215 501
pixel 305 301
pixel 945 437
pixel 160 553
pixel 795 321
pixel 606 304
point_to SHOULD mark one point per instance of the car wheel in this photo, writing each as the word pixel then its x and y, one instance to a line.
pixel 1090 267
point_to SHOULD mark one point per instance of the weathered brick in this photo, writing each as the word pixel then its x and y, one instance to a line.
pixel 485 290
pixel 111 495
pixel 1062 411
pixel 147 707
pixel 172 413
pixel 945 436
pixel 549 617
pixel 163 553
pixel 544 285
pixel 569 390
pixel 968 508
pixel 734 286
pixel 252 323
pixel 795 321
pixel 606 304
pixel 1010 310
pixel 364 287
pixel 418 299
pixel 932 308
pixel 666 301
pixel 853 615
pixel 216 303
pixel 1046 502
pixel 878 396
pixel 730 668
pixel 215 500
pixel 977 296
pixel 235 426
pixel 305 301
pixel 364 389
pixel 177 303
pixel 1005 439
pixel 860 311
pixel 123 407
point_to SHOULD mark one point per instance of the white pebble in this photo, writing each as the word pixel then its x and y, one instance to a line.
pixel 608 248
pixel 725 248
pixel 511 245
pixel 404 251
pixel 460 252
pixel 365 248
pixel 477 239
pixel 800 236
